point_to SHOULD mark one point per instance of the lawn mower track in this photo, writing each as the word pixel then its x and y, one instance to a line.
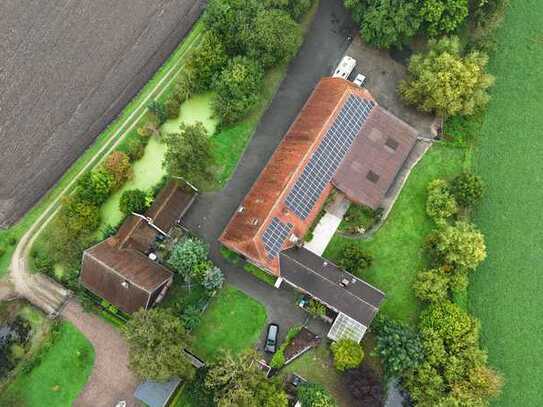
pixel 67 69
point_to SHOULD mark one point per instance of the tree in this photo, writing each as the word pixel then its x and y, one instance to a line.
pixel 158 110
pixel 188 153
pixel 213 279
pixel 398 346
pixel 461 246
pixel 468 189
pixel 78 216
pixel 156 342
pixel 296 8
pixel 238 89
pixel 186 256
pixel 134 200
pixel 440 204
pixel 354 259
pixel 118 165
pixel 443 16
pixel 386 23
pixel 315 308
pixel 232 21
pixel 444 82
pixel 431 285
pixel 206 62
pixel 237 382
pixel 95 187
pixel 315 395
pixel 275 38
pixel 135 149
pixel 348 354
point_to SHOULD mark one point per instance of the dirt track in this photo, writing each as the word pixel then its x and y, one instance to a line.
pixel 66 70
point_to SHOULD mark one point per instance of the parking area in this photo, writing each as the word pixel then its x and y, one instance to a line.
pixel 383 74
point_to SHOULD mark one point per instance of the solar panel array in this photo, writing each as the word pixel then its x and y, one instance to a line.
pixel 274 236
pixel 326 159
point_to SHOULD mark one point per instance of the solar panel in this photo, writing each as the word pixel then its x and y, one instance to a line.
pixel 274 236
pixel 325 161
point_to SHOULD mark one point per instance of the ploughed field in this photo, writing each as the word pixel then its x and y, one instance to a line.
pixel 66 70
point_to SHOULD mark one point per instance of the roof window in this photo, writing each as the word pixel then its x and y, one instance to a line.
pixel 372 177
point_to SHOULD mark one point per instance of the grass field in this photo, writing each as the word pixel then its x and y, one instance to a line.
pixel 232 322
pixel 505 293
pixel 60 376
pixel 396 247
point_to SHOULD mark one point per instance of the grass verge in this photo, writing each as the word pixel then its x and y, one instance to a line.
pixel 260 274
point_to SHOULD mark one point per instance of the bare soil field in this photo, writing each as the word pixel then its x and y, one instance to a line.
pixel 67 68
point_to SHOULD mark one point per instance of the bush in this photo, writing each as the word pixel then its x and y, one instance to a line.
pixel 135 149
pixel 118 165
pixel 315 308
pixel 440 204
pixel 158 111
pixel 172 107
pixel 431 285
pixel 398 346
pixel 467 189
pixel 238 89
pixel 206 62
pixel 461 246
pixel 354 259
pixel 445 82
pixel 315 395
pixel 134 200
pixel 348 354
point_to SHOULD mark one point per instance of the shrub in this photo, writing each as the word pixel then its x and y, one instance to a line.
pixel 440 204
pixel 315 395
pixel 354 259
pixel 445 82
pixel 118 165
pixel 158 110
pixel 206 62
pixel 461 246
pixel 135 149
pixel 315 308
pixel 431 285
pixel 134 200
pixel 443 16
pixel 398 345
pixel 275 38
pixel 467 189
pixel 172 107
pixel 213 279
pixel 238 89
pixel 348 354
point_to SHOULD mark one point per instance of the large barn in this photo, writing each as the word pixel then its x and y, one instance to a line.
pixel 342 138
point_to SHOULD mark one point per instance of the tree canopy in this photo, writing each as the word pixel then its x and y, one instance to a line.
pixel 445 82
pixel 206 62
pixel 186 256
pixel 134 200
pixel 348 354
pixel 460 245
pixel 188 153
pixel 443 16
pixel 315 395
pixel 156 340
pixel 440 204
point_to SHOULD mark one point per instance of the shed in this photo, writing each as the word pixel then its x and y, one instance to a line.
pixel 156 394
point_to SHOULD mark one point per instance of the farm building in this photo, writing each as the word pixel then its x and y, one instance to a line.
pixel 120 269
pixel 340 139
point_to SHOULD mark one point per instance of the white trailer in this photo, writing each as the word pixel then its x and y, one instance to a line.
pixel 345 67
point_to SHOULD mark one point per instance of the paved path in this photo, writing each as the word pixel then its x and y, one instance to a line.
pixel 323 47
pixel 111 380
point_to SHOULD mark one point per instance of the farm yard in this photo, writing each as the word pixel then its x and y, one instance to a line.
pixel 70 93
pixel 506 292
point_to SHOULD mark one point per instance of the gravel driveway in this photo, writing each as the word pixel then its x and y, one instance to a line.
pixel 111 380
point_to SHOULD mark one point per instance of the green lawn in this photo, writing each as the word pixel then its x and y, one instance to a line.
pixel 60 376
pixel 396 247
pixel 505 293
pixel 233 321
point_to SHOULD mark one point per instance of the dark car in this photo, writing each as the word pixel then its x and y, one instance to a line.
pixel 271 338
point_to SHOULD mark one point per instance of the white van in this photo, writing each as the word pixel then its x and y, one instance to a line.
pixel 345 67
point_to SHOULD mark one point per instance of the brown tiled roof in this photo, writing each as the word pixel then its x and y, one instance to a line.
pixel 105 267
pixel 123 257
pixel 376 156
pixel 265 200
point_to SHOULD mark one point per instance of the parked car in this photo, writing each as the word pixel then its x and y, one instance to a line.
pixel 359 80
pixel 345 67
pixel 271 338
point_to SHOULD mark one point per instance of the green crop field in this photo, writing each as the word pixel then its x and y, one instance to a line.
pixel 505 293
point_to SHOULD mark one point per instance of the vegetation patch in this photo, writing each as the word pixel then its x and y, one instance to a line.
pixel 260 274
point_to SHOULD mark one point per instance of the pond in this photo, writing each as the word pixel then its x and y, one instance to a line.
pixel 148 171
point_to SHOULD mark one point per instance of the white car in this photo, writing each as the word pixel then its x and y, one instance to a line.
pixel 359 80
pixel 345 67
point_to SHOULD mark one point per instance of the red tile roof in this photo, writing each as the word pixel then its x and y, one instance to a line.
pixel 266 199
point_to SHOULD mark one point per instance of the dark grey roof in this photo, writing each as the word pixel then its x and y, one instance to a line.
pixel 156 394
pixel 321 279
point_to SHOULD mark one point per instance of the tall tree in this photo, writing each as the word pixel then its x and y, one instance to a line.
pixel 156 342
pixel 275 38
pixel 443 16
pixel 186 256
pixel 461 246
pixel 188 153
pixel 443 81
pixel 206 62
pixel 118 165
